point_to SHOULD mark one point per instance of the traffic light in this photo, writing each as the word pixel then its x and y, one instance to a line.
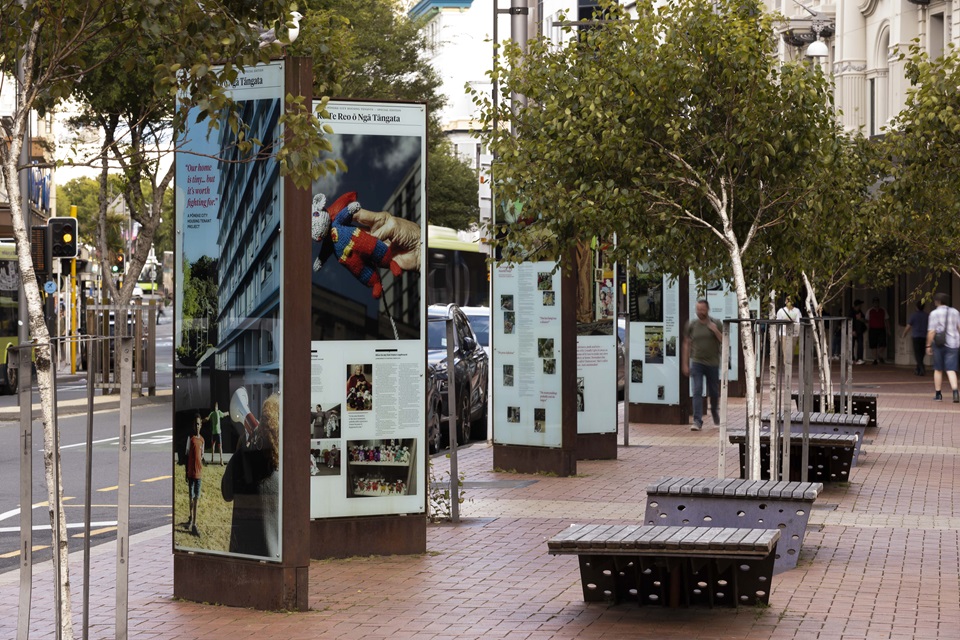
pixel 63 237
pixel 118 263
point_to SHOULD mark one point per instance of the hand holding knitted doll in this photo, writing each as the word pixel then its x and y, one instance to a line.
pixel 391 242
pixel 403 236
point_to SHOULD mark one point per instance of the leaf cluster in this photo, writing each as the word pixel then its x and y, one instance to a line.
pixel 679 130
pixel 920 161
pixel 370 50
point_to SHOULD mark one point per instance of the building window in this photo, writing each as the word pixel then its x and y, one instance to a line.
pixel 936 36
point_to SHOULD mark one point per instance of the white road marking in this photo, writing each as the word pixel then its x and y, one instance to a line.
pixel 73 525
pixel 136 437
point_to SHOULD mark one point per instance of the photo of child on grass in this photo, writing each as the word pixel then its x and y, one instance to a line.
pixel 234 508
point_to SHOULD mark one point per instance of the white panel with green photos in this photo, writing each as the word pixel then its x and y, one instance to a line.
pixel 653 370
pixel 527 359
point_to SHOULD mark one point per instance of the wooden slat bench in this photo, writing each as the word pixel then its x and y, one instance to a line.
pixel 828 423
pixel 864 404
pixel 671 566
pixel 831 455
pixel 732 502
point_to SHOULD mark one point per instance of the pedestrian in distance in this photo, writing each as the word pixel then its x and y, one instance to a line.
pixel 788 333
pixel 701 347
pixel 877 330
pixel 943 343
pixel 859 327
pixel 216 436
pixel 917 328
pixel 195 446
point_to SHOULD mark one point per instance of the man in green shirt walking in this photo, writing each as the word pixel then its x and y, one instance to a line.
pixel 216 437
pixel 701 345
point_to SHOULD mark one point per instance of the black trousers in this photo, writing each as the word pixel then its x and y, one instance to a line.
pixel 919 351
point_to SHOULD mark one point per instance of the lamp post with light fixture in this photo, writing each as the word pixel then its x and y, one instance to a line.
pixel 821 27
pixel 817 48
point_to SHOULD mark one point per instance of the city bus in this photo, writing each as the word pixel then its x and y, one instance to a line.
pixel 456 270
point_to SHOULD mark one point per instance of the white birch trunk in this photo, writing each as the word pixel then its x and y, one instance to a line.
pixel 749 353
pixel 823 347
pixel 41 337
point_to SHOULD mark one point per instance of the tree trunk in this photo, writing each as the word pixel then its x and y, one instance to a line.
pixel 749 356
pixel 823 350
pixel 41 338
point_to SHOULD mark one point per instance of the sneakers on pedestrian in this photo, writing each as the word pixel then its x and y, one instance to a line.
pixel 956 395
pixel 716 416
pixel 697 426
pixel 858 362
pixel 874 362
pixel 195 531
pixel 938 397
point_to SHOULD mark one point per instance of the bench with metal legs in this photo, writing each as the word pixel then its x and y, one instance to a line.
pixel 671 566
pixel 830 456
pixel 828 423
pixel 732 502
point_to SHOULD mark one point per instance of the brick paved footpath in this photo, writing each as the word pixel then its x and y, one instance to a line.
pixel 880 558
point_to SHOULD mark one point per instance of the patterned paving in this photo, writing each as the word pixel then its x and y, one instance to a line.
pixel 880 558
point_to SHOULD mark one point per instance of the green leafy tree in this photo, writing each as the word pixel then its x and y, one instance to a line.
pixel 921 153
pixel 454 190
pixel 199 308
pixel 679 131
pixel 135 113
pixel 844 237
pixel 371 50
pixel 84 193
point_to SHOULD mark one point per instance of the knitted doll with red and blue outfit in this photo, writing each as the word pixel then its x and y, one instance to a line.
pixel 356 248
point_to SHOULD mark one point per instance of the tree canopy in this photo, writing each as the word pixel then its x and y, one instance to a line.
pixel 648 128
pixel 921 162
pixel 679 131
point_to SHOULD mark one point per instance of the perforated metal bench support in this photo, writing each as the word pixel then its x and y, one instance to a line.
pixel 676 582
pixel 842 424
pixel 864 404
pixel 618 564
pixel 728 502
pixel 831 456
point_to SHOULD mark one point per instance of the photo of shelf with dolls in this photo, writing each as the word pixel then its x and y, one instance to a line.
pixel 381 464
pixel 381 468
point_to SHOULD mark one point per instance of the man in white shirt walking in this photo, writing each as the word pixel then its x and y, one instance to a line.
pixel 944 321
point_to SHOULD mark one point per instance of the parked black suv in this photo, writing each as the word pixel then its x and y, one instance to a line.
pixel 471 367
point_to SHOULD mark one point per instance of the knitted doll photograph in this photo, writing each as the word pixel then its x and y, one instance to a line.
pixel 367 241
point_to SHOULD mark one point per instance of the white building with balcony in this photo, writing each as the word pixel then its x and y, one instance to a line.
pixel 865 39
